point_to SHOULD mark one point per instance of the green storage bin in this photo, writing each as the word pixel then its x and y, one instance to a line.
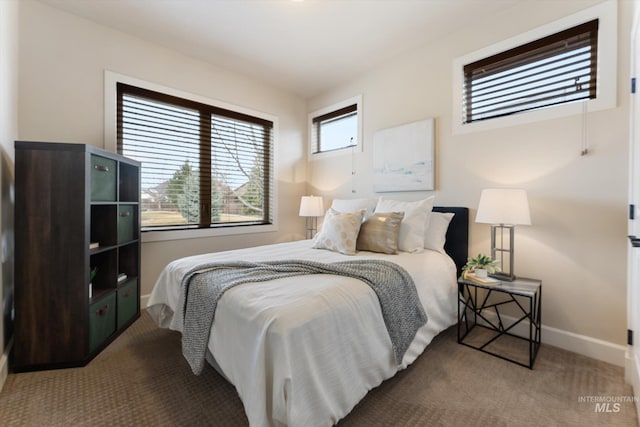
pixel 102 320
pixel 126 223
pixel 127 302
pixel 103 179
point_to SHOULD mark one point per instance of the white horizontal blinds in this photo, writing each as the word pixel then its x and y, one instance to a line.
pixel 335 130
pixel 553 70
pixel 241 162
pixel 198 161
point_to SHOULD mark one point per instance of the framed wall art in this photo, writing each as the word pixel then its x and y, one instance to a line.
pixel 403 157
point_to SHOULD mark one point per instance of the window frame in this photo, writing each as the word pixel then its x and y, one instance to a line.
pixel 334 110
pixel 606 98
pixel 486 86
pixel 172 233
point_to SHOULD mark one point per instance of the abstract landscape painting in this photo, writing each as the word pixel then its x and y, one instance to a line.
pixel 403 157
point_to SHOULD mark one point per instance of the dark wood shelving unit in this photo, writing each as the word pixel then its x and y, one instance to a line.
pixel 67 197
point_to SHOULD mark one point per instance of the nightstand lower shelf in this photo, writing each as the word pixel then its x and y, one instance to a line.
pixel 483 325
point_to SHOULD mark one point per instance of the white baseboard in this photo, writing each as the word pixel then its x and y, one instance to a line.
pixel 587 346
pixel 144 299
pixel 4 364
pixel 591 347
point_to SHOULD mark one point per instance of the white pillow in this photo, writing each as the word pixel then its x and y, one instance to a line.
pixel 354 205
pixel 339 232
pixel 436 233
pixel 414 223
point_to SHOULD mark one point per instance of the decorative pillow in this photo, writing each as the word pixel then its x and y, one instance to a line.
pixel 416 217
pixel 354 205
pixel 436 233
pixel 339 232
pixel 380 233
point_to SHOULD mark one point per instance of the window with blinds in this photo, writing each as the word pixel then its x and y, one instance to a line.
pixel 335 130
pixel 202 166
pixel 553 70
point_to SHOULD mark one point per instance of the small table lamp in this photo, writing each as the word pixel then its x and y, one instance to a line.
pixel 503 208
pixel 311 207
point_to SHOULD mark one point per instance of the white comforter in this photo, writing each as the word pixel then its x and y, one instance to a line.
pixel 303 351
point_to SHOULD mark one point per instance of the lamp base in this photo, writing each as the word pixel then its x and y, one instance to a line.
pixel 312 226
pixel 503 252
pixel 503 277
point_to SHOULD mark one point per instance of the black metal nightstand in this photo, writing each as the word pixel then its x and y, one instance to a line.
pixel 481 323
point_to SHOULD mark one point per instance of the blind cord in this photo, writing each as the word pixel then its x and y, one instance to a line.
pixel 585 144
pixel 353 167
pixel 584 147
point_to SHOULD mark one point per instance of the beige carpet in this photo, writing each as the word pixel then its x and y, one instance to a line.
pixel 142 380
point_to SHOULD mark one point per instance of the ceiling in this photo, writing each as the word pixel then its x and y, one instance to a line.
pixel 304 47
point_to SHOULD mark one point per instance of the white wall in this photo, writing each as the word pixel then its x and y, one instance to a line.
pixel 62 62
pixel 8 120
pixel 577 243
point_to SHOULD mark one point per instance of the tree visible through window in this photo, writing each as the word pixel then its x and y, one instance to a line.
pixel 202 166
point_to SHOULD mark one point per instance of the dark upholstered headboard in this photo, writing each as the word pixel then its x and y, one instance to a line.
pixel 457 244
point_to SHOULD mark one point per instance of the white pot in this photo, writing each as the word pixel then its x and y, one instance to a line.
pixel 481 273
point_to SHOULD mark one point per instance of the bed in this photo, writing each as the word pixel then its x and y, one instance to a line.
pixel 304 350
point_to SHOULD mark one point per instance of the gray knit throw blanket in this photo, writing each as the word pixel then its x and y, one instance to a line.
pixel 202 287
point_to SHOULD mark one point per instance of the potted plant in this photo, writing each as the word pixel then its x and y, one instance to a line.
pixel 481 266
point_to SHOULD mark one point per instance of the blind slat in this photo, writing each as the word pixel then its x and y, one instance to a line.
pixel 552 69
pixel 526 90
pixel 533 102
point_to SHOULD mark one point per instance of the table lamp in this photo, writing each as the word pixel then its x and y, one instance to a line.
pixel 503 208
pixel 311 207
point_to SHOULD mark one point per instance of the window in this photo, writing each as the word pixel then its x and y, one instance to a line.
pixel 596 89
pixel 557 69
pixel 202 166
pixel 335 128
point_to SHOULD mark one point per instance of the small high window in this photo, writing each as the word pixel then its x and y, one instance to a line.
pixel 557 69
pixel 336 127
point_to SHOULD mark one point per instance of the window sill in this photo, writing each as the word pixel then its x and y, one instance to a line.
pixel 335 153
pixel 201 233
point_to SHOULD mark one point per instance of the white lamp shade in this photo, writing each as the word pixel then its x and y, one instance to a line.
pixel 311 206
pixel 508 206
